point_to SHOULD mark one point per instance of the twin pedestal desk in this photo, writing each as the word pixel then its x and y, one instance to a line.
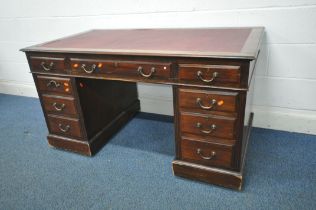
pixel 87 87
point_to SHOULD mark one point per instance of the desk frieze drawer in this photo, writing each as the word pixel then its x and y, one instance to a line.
pixel 64 126
pixel 54 84
pixel 59 105
pixel 206 153
pixel 202 100
pixel 207 125
pixel 213 75
pixel 120 68
pixel 47 64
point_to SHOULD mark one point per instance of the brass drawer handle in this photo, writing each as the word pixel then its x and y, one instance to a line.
pixel 53 83
pixel 64 128
pixel 200 153
pixel 140 71
pixel 47 67
pixel 199 74
pixel 199 102
pixel 58 107
pixel 93 67
pixel 200 126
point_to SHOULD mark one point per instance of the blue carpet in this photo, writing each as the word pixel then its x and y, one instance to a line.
pixel 133 171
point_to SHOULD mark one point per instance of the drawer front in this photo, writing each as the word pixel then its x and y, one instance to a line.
pixel 214 75
pixel 207 100
pixel 64 126
pixel 47 64
pixel 121 68
pixel 207 125
pixel 54 84
pixel 207 153
pixel 59 105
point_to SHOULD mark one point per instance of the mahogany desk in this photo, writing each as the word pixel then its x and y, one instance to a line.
pixel 87 87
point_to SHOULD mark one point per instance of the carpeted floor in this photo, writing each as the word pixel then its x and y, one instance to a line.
pixel 133 171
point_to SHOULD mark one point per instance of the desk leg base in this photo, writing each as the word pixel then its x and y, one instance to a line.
pixel 210 175
pixel 60 142
pixel 92 146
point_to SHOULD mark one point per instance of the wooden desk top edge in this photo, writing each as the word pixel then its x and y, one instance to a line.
pixel 249 50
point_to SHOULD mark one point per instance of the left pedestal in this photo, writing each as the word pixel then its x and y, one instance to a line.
pixel 82 114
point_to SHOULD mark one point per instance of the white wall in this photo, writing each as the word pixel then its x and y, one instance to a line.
pixel 285 89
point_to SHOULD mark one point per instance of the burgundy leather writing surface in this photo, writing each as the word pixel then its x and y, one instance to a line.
pixel 206 42
pixel 166 40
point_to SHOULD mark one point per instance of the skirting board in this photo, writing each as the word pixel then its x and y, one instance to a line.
pixel 292 120
pixel 18 88
pixel 301 121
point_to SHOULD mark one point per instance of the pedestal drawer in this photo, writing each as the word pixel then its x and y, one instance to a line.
pixel 59 105
pixel 54 84
pixel 207 153
pixel 47 64
pixel 207 125
pixel 214 75
pixel 202 100
pixel 64 126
